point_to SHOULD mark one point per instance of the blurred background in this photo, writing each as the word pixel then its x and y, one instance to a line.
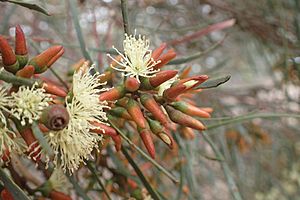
pixel 251 148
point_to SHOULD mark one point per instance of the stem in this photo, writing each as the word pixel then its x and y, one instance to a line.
pixel 158 166
pixel 92 169
pixel 248 117
pixel 125 16
pixel 228 174
pixel 10 78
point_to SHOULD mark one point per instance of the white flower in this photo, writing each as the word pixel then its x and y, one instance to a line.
pixel 59 181
pixel 28 103
pixel 137 60
pixel 7 140
pixel 4 103
pixel 74 144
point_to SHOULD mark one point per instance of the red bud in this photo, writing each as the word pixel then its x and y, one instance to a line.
pixel 183 119
pixel 165 58
pixel 104 129
pixel 135 112
pixel 190 109
pixel 174 91
pixel 34 149
pixel 54 89
pixel 20 44
pixel 45 59
pixel 26 72
pixel 118 142
pixel 131 84
pixel 9 59
pixel 162 77
pixel 113 94
pixel 158 51
pixel 148 142
pixel 152 106
pixel 6 195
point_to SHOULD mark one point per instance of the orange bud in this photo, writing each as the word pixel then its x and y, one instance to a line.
pixel 158 51
pixel 162 77
pixel 148 142
pixel 185 72
pixel 132 183
pixel 190 109
pixel 104 129
pixel 187 133
pixel 79 64
pixel 6 195
pixel 174 91
pixel 114 63
pixel 207 109
pixel 20 43
pixel 135 112
pixel 118 142
pixel 34 149
pixel 183 119
pixel 54 89
pixel 26 72
pixel 45 59
pixel 152 106
pixel 165 58
pixel 55 195
pixel 131 84
pixel 113 94
pixel 9 59
pixel 6 155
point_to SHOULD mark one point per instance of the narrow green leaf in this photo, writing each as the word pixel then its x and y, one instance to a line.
pixel 13 188
pixel 40 137
pixel 31 6
pixel 74 12
pixel 147 185
pixel 211 83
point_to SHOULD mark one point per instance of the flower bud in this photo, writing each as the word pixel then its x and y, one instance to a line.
pixel 165 58
pixel 32 143
pixel 131 84
pixel 135 112
pixel 54 89
pixel 158 51
pixel 113 94
pixel 120 112
pixel 26 72
pixel 104 129
pixel 174 91
pixel 187 133
pixel 162 77
pixel 148 142
pixel 106 76
pixel 152 106
pixel 45 59
pixel 118 142
pixel 6 195
pixel 183 119
pixel 190 109
pixel 9 59
pixel 20 47
pixel 55 117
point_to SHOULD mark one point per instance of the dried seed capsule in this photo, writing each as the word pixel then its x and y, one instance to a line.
pixel 55 117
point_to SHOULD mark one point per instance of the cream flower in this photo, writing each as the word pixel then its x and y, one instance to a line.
pixel 136 60
pixel 7 141
pixel 166 85
pixel 4 103
pixel 74 144
pixel 28 103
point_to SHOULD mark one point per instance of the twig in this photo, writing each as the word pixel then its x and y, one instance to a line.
pixel 125 16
